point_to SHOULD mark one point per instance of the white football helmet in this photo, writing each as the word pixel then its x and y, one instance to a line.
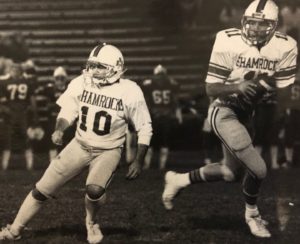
pixel 159 69
pixel 259 22
pixel 60 78
pixel 105 65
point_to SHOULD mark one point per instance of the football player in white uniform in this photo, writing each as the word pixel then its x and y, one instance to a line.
pixel 104 104
pixel 244 65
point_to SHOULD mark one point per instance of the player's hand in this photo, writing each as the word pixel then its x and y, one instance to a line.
pixel 57 137
pixel 248 89
pixel 134 170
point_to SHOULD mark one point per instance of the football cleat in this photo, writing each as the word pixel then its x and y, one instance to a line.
pixel 6 234
pixel 94 234
pixel 258 226
pixel 171 190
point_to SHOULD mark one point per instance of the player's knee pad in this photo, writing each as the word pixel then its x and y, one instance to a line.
pixel 228 174
pixel 253 161
pixel 94 192
pixel 37 195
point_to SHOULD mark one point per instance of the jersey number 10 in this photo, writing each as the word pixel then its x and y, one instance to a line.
pixel 104 129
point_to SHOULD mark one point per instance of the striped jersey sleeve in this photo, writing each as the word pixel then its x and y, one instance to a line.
pixel 221 62
pixel 287 68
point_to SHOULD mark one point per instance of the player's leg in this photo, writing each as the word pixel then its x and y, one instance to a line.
pixel 273 137
pixel 29 158
pixel 6 154
pixel 154 144
pixel 7 136
pixel 291 134
pixel 28 153
pixel 48 127
pixel 148 158
pixel 166 125
pixel 69 163
pixel 130 145
pixel 260 128
pixel 174 182
pixel 101 172
pixel 237 140
pixel 163 157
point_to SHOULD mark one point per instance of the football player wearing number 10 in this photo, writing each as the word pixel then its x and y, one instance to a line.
pixel 104 104
pixel 245 65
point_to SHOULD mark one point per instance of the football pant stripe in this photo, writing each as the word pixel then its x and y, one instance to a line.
pixel 214 126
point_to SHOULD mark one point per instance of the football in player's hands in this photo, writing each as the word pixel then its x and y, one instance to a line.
pixel 264 83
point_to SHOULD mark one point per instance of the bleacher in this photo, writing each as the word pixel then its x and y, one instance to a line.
pixel 63 33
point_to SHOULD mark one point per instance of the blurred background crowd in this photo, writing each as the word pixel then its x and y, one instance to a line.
pixel 166 44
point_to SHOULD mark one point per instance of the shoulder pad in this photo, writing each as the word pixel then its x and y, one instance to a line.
pixel 285 40
pixel 228 33
pixel 4 77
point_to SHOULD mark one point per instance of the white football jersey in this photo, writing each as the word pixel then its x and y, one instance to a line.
pixel 232 58
pixel 103 113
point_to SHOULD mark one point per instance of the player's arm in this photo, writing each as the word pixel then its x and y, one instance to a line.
pixel 140 118
pixel 287 67
pixel 177 106
pixel 33 106
pixel 68 103
pixel 247 88
pixel 220 66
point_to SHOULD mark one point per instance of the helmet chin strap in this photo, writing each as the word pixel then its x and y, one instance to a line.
pixel 102 82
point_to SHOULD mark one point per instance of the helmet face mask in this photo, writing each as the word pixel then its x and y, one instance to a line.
pixel 258 31
pixel 259 22
pixel 105 65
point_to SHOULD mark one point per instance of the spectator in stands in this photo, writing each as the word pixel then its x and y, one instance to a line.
pixel 5 61
pixel 232 13
pixel 185 15
pixel 189 13
pixel 161 94
pixel 18 50
pixel 290 19
pixel 17 97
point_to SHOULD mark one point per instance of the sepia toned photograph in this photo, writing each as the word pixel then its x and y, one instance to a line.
pixel 149 121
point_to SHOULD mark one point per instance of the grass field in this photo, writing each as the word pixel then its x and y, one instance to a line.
pixel 204 213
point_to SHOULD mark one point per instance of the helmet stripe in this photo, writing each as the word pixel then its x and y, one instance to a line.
pixel 261 5
pixel 97 50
